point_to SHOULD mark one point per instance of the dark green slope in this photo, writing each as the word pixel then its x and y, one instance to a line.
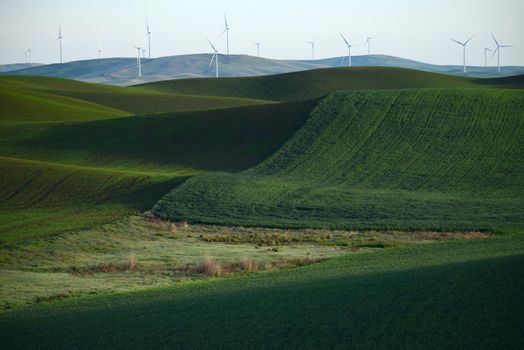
pixel 411 159
pixel 312 83
pixel 226 139
pixel 449 295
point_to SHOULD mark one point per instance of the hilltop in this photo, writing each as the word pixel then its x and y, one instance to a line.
pixel 123 71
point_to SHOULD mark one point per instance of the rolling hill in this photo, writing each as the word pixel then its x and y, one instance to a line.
pixel 312 84
pixel 231 139
pixel 4 68
pixel 123 71
pixel 51 99
pixel 436 159
pixel 41 198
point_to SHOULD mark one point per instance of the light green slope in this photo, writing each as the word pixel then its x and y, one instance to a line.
pixel 412 159
pixel 39 198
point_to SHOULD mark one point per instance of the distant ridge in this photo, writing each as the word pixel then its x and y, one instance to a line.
pixel 122 71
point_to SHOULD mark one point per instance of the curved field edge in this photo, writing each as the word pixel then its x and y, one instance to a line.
pixel 432 295
pixel 409 159
pixel 317 83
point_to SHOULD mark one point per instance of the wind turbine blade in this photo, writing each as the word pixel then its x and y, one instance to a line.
pixel 212 58
pixel 458 42
pixel 343 38
pixel 494 52
pixel 468 40
pixel 225 22
pixel 215 50
pixel 493 36
pixel 147 26
pixel 506 46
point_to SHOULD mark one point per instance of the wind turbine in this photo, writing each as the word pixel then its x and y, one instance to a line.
pixel 464 49
pixel 148 32
pixel 215 57
pixel 349 49
pixel 486 50
pixel 258 49
pixel 497 50
pixel 312 43
pixel 29 54
pixel 144 53
pixel 25 54
pixel 60 39
pixel 99 51
pixel 138 48
pixel 368 43
pixel 227 33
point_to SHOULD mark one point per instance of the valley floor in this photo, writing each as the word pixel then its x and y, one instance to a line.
pixel 142 252
pixel 459 293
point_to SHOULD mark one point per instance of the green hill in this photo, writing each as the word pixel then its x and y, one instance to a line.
pixel 407 159
pixel 312 83
pixel 39 198
pixel 226 139
pixel 52 99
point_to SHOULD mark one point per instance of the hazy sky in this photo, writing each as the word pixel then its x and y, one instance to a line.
pixel 413 29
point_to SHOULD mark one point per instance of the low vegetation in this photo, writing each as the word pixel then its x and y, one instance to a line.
pixel 419 295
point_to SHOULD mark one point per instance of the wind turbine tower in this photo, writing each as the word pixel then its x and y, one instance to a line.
pixel 226 30
pixel 148 32
pixel 258 49
pixel 464 44
pixel 214 57
pixel 60 39
pixel 486 50
pixel 497 50
pixel 349 49
pixel 368 43
pixel 312 43
pixel 99 51
pixel 138 48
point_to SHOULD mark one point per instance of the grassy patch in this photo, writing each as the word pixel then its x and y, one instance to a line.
pixel 458 293
pixel 142 252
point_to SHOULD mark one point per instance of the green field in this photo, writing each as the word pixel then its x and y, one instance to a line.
pixel 318 83
pixel 404 159
pixel 380 208
pixel 458 294
pixel 68 163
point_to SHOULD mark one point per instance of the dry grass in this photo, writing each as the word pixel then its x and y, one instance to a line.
pixel 131 262
pixel 248 265
pixel 210 267
pixel 110 267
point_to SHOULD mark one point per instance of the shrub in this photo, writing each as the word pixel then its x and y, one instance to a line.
pixel 210 267
pixel 248 265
